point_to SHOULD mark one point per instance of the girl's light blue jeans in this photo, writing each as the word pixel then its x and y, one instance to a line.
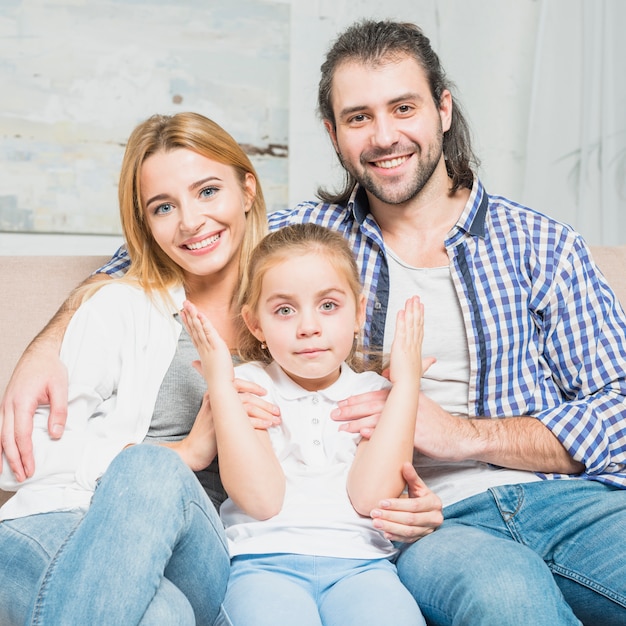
pixel 544 553
pixel 292 589
pixel 150 550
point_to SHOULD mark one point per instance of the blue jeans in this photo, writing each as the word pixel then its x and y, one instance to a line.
pixel 544 553
pixel 288 589
pixel 150 550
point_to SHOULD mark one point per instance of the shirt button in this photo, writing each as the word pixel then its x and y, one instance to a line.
pixel 316 442
pixel 315 399
pixel 315 420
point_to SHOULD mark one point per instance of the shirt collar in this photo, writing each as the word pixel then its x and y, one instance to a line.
pixel 178 296
pixel 471 221
pixel 359 203
pixel 286 388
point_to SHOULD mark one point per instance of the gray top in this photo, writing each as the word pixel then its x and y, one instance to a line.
pixel 177 405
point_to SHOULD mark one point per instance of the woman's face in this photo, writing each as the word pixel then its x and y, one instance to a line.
pixel 196 210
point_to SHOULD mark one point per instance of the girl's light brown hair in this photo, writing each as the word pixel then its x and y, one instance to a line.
pixel 279 247
pixel 149 264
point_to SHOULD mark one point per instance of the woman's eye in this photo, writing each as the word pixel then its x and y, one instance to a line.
pixel 207 192
pixel 163 209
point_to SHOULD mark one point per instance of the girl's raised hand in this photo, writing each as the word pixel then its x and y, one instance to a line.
pixel 406 349
pixel 215 359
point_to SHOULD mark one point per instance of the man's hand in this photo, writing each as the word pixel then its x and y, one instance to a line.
pixel 360 413
pixel 411 518
pixel 40 378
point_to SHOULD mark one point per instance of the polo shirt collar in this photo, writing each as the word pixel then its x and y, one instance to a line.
pixel 286 388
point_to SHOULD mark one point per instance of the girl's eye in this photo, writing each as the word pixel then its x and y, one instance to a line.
pixel 163 209
pixel 284 310
pixel 329 306
pixel 208 192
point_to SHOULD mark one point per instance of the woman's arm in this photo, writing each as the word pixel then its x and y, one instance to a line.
pixel 377 468
pixel 249 469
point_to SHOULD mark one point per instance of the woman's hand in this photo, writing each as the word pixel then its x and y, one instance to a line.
pixel 199 447
pixel 262 414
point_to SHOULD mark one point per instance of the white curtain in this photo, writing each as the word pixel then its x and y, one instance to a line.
pixel 576 153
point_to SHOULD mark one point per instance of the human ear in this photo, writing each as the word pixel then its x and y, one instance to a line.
pixel 360 314
pixel 332 133
pixel 252 322
pixel 249 191
pixel 445 110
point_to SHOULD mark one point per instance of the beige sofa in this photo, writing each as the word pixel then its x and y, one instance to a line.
pixel 32 288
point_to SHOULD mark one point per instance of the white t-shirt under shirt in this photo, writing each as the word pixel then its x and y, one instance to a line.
pixel 317 517
pixel 446 382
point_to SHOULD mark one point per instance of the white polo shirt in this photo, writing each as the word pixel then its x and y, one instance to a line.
pixel 317 517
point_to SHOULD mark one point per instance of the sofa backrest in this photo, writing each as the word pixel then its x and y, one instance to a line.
pixel 33 287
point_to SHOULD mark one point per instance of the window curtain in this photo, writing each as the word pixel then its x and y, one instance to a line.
pixel 576 153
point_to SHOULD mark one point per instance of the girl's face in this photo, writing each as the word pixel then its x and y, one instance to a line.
pixel 196 210
pixel 307 315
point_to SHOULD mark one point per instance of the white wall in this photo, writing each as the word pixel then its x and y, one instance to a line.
pixel 78 75
pixel 486 46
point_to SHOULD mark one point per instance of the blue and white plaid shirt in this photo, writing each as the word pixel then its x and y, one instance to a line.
pixel 546 335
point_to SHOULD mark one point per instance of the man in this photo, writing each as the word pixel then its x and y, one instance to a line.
pixel 523 327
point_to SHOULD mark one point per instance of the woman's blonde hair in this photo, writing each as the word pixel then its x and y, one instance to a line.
pixel 280 246
pixel 150 266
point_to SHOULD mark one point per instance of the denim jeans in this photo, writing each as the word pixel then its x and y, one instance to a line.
pixel 289 589
pixel 543 553
pixel 150 550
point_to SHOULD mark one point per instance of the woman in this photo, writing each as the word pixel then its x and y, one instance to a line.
pixel 76 548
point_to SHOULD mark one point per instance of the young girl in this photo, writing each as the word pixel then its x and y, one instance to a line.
pixel 302 545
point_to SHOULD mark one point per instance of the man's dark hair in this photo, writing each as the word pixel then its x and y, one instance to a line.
pixel 373 43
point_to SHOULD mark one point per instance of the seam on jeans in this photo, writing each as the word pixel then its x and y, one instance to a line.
pixel 587 582
pixel 508 517
pixel 41 594
pixel 192 500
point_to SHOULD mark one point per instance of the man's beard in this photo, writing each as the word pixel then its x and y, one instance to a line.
pixel 389 191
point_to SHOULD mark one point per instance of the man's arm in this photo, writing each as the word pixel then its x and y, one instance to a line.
pixel 38 378
pixel 515 442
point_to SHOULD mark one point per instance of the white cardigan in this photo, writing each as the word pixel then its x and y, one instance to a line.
pixel 117 349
